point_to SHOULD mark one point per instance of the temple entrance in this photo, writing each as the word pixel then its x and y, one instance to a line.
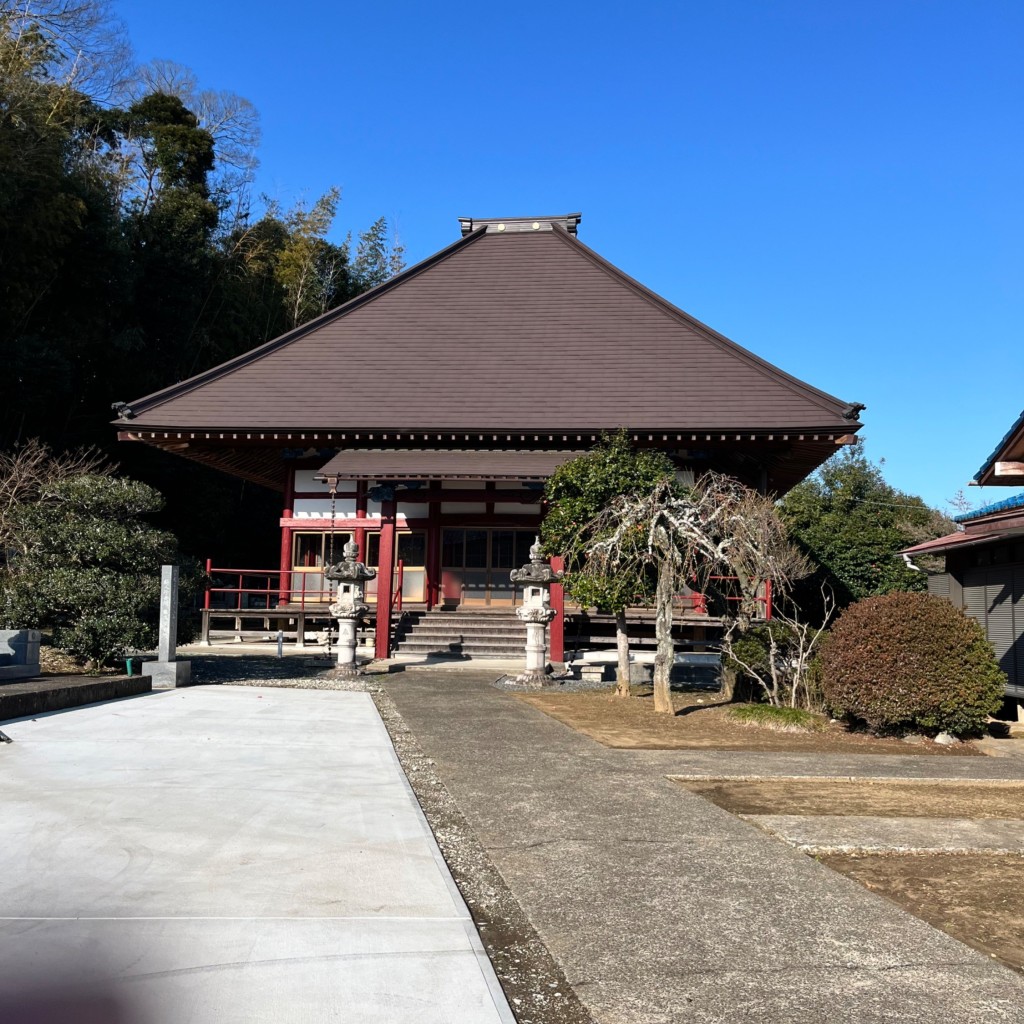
pixel 475 564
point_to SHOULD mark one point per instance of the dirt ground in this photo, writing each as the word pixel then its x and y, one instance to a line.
pixel 887 799
pixel 973 897
pixel 54 662
pixel 701 722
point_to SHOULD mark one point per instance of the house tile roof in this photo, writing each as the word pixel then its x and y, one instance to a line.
pixel 1009 449
pixel 1006 505
pixel 950 540
pixel 521 330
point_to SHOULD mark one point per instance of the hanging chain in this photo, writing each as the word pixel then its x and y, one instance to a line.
pixel 330 561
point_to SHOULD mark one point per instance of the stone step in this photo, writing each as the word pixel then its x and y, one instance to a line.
pixel 479 633
pixel 462 616
pixel 471 628
pixel 483 649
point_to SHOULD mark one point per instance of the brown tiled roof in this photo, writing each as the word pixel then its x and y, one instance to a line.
pixel 1003 465
pixel 516 331
pixel 950 540
pixel 965 540
pixel 398 464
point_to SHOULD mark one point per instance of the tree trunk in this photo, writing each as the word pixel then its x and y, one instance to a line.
pixel 728 684
pixel 663 630
pixel 622 645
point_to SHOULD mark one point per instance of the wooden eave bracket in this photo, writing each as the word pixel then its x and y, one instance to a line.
pixel 1014 469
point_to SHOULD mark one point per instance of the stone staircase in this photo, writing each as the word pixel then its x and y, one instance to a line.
pixel 472 633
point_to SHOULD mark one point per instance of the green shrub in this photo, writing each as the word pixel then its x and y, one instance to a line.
pixel 910 661
pixel 86 567
pixel 767 716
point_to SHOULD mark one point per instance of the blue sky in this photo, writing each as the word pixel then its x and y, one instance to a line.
pixel 837 187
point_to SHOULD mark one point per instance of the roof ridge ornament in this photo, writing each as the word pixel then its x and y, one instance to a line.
pixel 516 225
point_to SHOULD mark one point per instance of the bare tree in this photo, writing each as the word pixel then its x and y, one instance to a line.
pixel 756 544
pixel 27 472
pixel 86 46
pixel 778 655
pixel 716 532
pixel 675 536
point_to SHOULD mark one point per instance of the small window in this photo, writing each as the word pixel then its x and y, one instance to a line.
pixel 524 541
pixel 452 549
pixel 412 548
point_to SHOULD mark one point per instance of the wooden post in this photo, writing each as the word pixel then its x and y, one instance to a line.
pixel 385 579
pixel 284 581
pixel 433 569
pixel 359 533
pixel 556 636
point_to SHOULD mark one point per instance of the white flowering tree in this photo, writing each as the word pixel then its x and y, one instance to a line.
pixel 694 537
pixel 668 533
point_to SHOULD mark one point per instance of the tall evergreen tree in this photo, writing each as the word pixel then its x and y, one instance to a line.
pixel 854 524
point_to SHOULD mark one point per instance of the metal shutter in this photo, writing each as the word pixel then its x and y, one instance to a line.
pixel 938 584
pixel 974 595
pixel 995 598
pixel 999 587
pixel 1017 675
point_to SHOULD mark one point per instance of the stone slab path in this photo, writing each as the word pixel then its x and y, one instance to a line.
pixel 831 833
pixel 662 907
pixel 231 854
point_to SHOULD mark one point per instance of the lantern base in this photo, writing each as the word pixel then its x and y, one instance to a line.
pixel 343 672
pixel 535 679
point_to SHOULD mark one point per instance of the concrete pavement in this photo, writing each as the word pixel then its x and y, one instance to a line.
pixel 231 854
pixel 662 907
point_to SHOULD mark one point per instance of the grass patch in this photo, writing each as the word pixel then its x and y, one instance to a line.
pixel 766 716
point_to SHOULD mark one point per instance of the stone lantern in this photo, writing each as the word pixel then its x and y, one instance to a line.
pixel 536 578
pixel 351 575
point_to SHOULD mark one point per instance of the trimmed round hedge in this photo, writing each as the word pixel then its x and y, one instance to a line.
pixel 910 661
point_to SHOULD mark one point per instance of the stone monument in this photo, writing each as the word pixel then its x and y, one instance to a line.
pixel 167 672
pixel 536 578
pixel 19 654
pixel 351 575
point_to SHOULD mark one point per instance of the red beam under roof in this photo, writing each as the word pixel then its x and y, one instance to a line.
pixel 444 465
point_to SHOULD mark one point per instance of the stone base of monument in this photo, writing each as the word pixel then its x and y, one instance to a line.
pixel 343 672
pixel 166 675
pixel 19 654
pixel 532 680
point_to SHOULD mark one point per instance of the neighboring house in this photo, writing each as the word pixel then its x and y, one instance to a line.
pixel 437 404
pixel 985 560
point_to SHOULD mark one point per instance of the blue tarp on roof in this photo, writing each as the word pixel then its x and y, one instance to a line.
pixel 992 458
pixel 1006 505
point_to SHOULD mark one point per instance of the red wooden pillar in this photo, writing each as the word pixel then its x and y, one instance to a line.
pixel 359 534
pixel 284 581
pixel 433 554
pixel 385 578
pixel 556 635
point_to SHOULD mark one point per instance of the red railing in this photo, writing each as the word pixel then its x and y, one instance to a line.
pixel 262 589
pixel 699 602
pixel 288 588
pixel 396 594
